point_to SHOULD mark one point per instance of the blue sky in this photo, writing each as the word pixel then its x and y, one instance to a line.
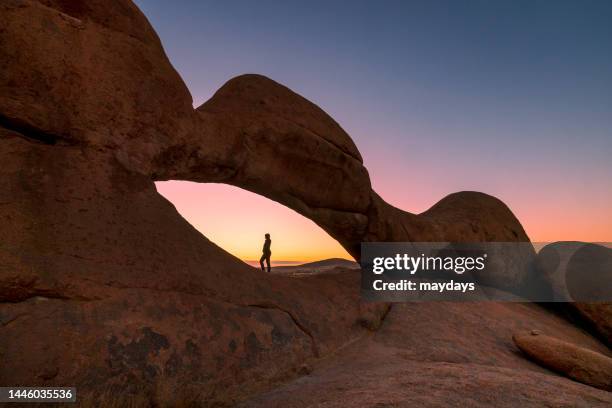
pixel 511 98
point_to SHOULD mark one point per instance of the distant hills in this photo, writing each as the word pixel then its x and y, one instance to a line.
pixel 331 262
pixel 317 266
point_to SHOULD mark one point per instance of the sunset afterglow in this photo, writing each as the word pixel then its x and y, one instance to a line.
pixel 442 98
pixel 208 207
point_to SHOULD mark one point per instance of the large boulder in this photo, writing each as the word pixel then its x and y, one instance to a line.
pixel 578 363
pixel 580 275
pixel 91 73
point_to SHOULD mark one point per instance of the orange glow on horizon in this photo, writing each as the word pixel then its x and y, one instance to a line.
pixel 236 220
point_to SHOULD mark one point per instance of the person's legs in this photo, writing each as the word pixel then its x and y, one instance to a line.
pixel 268 262
pixel 261 260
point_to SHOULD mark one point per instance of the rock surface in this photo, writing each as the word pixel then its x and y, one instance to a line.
pixel 89 73
pixel 599 315
pixel 581 274
pixel 581 364
pixel 104 286
pixel 97 77
pixel 271 133
pixel 442 354
pixel 108 287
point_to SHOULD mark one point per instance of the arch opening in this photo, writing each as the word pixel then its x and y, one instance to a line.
pixel 236 220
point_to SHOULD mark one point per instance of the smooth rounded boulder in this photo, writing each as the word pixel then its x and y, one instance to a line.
pixel 578 363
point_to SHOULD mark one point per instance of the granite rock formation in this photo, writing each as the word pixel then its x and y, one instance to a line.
pixel 104 286
pixel 580 274
pixel 94 76
pixel 581 364
pixel 443 354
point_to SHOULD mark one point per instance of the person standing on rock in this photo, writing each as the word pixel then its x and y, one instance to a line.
pixel 266 253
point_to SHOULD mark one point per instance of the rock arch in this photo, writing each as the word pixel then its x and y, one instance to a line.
pixel 91 114
pixel 259 135
pixel 127 100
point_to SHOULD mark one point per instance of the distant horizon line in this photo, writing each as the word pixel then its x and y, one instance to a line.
pixel 538 245
pixel 296 262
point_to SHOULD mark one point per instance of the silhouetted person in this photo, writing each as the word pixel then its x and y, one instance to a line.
pixel 266 253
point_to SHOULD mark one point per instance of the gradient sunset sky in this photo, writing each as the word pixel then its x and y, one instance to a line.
pixel 511 98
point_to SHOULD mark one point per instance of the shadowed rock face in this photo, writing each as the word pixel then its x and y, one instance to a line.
pixel 581 274
pixel 95 265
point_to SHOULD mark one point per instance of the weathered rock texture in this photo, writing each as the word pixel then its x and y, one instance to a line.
pixel 586 366
pixel 107 285
pixel 599 315
pixel 443 354
pixel 88 75
pixel 103 285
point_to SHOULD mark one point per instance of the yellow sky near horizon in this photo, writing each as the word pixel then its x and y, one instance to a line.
pixel 236 220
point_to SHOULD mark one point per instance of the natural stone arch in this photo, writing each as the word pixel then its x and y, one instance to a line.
pixel 253 133
pixel 259 135
pixel 91 112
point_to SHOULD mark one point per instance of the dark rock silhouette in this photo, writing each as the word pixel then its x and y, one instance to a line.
pixel 580 274
pixel 104 286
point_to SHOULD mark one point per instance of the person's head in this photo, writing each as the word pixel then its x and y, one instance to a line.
pixel 267 236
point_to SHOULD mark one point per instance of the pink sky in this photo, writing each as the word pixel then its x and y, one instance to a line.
pixel 510 101
pixel 237 219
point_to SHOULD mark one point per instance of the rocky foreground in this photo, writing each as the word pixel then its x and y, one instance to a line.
pixel 443 354
pixel 104 286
